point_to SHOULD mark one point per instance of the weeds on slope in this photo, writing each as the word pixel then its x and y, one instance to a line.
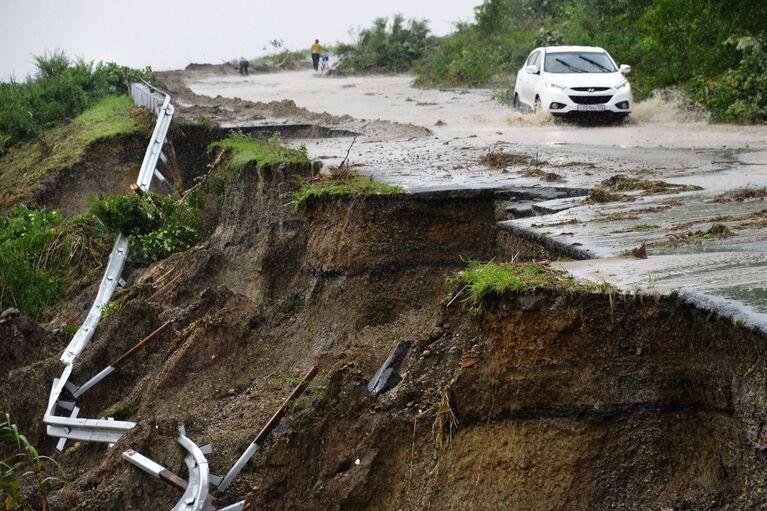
pixel 42 253
pixel 482 279
pixel 26 467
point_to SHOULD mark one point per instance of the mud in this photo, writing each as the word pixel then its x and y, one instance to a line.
pixel 560 402
pixel 545 401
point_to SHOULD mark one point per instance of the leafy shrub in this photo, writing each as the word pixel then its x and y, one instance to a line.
pixel 387 48
pixel 157 225
pixel 740 93
pixel 60 89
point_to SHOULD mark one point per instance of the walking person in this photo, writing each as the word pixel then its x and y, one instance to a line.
pixel 316 51
pixel 243 66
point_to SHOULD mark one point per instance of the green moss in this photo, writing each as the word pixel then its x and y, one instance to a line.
pixel 481 279
pixel 338 183
pixel 247 151
pixel 25 165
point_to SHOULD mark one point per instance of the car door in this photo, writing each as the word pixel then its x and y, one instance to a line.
pixel 536 81
pixel 526 94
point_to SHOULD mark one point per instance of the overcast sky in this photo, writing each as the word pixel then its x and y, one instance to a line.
pixel 168 34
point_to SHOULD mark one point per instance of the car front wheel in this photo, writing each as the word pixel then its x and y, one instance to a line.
pixel 515 103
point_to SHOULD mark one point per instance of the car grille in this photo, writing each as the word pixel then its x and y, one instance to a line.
pixel 590 89
pixel 590 100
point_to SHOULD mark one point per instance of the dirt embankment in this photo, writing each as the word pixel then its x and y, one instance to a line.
pixel 556 402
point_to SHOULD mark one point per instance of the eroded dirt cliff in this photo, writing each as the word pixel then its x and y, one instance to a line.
pixel 545 401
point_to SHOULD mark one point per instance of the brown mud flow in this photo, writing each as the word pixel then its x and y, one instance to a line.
pixel 547 400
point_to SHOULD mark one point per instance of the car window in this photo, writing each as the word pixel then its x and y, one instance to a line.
pixel 579 62
pixel 536 58
pixel 531 58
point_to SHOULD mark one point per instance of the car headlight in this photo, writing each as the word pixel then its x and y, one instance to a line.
pixel 623 85
pixel 554 86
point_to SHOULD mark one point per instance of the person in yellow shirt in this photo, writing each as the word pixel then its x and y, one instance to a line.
pixel 316 50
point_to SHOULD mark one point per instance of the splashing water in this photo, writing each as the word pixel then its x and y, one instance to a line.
pixel 667 106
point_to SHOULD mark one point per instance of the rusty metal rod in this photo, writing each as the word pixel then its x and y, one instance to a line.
pixel 114 365
pixel 266 430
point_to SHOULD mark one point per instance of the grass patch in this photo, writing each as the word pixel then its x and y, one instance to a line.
pixel 549 177
pixel 26 164
pixel 600 196
pixel 622 183
pixel 715 232
pixel 501 159
pixel 339 182
pixel 480 279
pixel 247 151
pixel 741 194
pixel 644 227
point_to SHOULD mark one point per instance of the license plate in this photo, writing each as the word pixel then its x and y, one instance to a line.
pixel 591 108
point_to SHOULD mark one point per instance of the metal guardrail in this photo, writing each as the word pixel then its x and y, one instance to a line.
pixel 106 430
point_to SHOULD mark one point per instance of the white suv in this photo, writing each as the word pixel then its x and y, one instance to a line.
pixel 565 79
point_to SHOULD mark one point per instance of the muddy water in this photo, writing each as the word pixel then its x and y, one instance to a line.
pixel 466 123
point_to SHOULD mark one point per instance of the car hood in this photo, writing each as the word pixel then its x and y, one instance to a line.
pixel 586 79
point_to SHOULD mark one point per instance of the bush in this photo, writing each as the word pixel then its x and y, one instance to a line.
pixel 387 48
pixel 157 225
pixel 740 93
pixel 60 89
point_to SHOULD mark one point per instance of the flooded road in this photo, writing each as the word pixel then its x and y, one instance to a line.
pixel 660 142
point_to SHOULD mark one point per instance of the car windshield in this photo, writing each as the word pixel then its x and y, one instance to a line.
pixel 578 62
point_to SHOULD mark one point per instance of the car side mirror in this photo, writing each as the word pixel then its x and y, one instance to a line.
pixel 625 69
pixel 531 69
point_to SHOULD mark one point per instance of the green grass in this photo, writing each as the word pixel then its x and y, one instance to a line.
pixel 42 254
pixel 25 165
pixel 482 279
pixel 339 183
pixel 247 151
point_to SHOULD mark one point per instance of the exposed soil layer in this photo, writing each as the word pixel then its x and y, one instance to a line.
pixel 560 401
pixel 105 167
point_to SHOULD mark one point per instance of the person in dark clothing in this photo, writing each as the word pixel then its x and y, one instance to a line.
pixel 243 66
pixel 316 51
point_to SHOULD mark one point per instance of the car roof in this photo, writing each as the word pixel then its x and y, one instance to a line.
pixel 558 49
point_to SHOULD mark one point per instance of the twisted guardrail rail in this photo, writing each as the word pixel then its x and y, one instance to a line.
pixel 69 426
pixel 106 430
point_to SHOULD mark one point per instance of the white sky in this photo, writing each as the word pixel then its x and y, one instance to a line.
pixel 168 34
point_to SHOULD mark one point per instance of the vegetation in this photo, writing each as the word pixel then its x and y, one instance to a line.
pixel 311 396
pixel 60 89
pixel 157 225
pixel 27 163
pixel 715 51
pixel 26 467
pixel 339 182
pixel 387 47
pixel 481 279
pixel 622 183
pixel 42 254
pixel 248 151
